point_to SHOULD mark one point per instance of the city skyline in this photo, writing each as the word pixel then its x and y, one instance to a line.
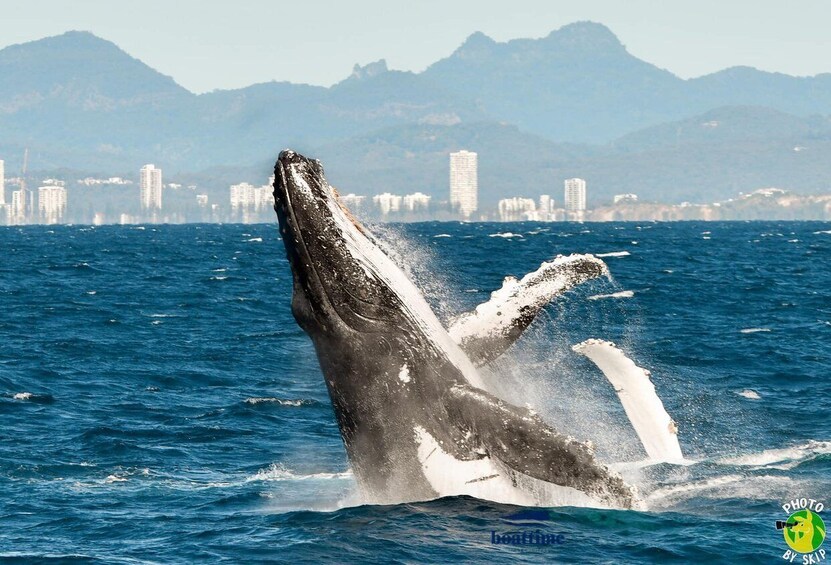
pixel 248 203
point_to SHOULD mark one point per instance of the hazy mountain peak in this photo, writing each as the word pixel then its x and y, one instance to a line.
pixel 74 64
pixel 585 36
pixel 477 45
pixel 370 69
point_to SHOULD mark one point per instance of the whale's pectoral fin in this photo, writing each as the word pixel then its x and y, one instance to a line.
pixel 655 428
pixel 523 442
pixel 495 325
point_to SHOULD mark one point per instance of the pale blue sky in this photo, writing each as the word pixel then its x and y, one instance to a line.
pixel 207 44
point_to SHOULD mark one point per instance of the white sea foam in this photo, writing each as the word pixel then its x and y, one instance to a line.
pixel 277 472
pixel 443 235
pixel 822 232
pixel 754 330
pixel 654 426
pixel 749 394
pixel 255 240
pixel 781 458
pixel 281 401
pixel 23 396
pixel 614 254
pixel 505 234
pixel 621 294
pixel 659 496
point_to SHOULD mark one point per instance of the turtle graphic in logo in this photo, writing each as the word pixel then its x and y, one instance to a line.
pixel 804 531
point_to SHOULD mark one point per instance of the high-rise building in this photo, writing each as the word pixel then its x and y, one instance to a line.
pixel 51 204
pixel 387 202
pixel 464 182
pixel 416 202
pixel 353 202
pixel 575 198
pixel 248 200
pixel 546 208
pixel 17 212
pixel 150 182
pixel 2 182
pixel 516 209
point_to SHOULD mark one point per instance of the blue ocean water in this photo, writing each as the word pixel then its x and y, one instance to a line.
pixel 159 404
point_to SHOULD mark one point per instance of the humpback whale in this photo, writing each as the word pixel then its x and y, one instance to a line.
pixel 414 414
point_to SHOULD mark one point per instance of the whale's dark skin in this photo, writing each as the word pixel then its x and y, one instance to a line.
pixel 389 367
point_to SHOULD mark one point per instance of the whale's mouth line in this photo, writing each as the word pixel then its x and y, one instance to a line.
pixel 301 255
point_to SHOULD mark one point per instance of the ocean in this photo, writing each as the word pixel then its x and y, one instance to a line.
pixel 159 404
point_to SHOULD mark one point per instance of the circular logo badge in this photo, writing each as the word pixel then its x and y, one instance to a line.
pixel 805 531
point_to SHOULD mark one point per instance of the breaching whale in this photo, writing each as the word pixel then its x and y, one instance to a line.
pixel 414 414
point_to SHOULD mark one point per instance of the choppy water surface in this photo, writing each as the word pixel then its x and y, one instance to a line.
pixel 158 402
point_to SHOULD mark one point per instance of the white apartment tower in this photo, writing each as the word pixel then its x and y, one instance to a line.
pixel 464 183
pixel 575 198
pixel 387 202
pixel 17 210
pixel 151 188
pixel 51 204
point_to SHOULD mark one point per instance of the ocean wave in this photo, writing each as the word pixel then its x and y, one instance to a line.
pixel 754 330
pixel 505 234
pixel 281 401
pixel 278 472
pixel 781 458
pixel 621 294
pixel 730 487
pixel 749 394
pixel 828 232
pixel 31 397
pixel 686 489
pixel 613 254
pixel 443 235
pixel 255 240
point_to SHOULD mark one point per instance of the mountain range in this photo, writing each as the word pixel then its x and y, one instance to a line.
pixel 574 103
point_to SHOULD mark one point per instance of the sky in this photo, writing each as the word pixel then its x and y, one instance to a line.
pixel 206 45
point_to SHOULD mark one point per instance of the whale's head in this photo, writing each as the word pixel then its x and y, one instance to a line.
pixel 342 281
